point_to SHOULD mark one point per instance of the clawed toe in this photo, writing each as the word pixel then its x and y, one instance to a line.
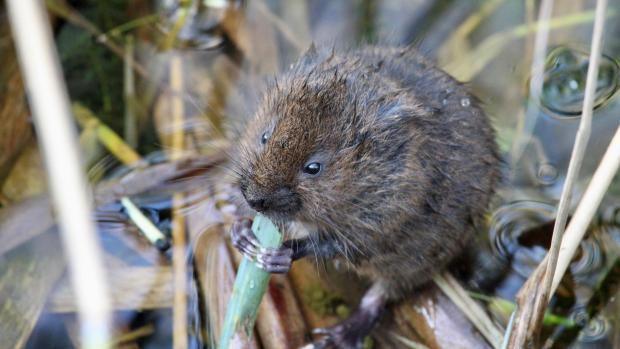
pixel 273 260
pixel 339 336
pixel 277 260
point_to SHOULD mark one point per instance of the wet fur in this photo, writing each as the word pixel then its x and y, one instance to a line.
pixel 409 167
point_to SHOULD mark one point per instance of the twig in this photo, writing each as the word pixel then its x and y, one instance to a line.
pixel 150 231
pixel 129 89
pixel 533 300
pixel 178 220
pixel 132 24
pixel 132 336
pixel 52 117
pixel 470 308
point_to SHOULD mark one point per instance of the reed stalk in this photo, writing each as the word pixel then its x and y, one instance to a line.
pixel 250 286
pixel 49 103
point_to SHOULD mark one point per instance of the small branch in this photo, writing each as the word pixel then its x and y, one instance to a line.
pixel 52 116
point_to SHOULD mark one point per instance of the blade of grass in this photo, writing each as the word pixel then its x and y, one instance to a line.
pixel 249 288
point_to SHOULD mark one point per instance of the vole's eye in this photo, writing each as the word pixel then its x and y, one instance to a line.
pixel 264 138
pixel 313 168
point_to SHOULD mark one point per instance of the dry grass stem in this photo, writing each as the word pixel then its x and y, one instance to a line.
pixel 581 141
pixel 52 116
pixel 178 220
pixel 408 343
pixel 537 73
pixel 533 300
pixel 110 139
pixel 474 312
pixel 587 207
pixel 146 226
pixel 471 64
pixel 129 94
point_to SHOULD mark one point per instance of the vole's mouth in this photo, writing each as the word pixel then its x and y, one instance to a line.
pixel 280 216
pixel 280 204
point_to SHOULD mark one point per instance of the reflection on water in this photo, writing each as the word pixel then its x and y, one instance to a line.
pixel 520 233
pixel 548 152
pixel 198 23
pixel 565 81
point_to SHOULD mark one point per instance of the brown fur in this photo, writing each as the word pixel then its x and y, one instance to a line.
pixel 410 161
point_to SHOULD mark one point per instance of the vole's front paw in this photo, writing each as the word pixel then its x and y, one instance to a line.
pixel 342 335
pixel 273 260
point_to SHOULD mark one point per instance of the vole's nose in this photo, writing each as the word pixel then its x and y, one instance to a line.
pixel 257 203
pixel 282 200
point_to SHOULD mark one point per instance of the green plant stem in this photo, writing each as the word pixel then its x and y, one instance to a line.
pixel 506 307
pixel 248 290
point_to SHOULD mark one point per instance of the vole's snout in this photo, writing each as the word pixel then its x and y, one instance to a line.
pixel 280 201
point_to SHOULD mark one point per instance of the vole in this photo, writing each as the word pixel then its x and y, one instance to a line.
pixel 387 161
